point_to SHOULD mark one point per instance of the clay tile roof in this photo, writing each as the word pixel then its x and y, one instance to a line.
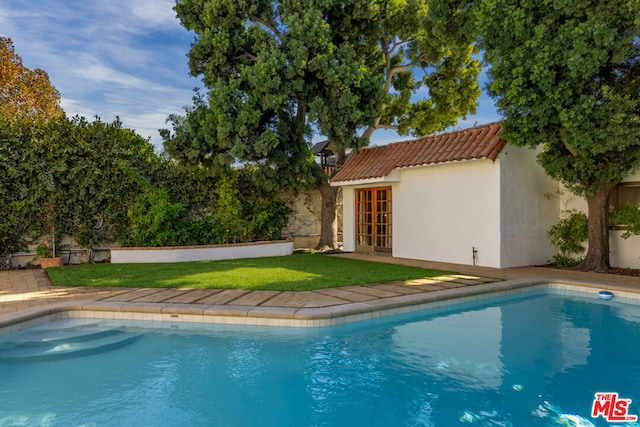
pixel 481 142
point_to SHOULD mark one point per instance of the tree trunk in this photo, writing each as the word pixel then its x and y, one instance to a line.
pixel 597 258
pixel 329 218
pixel 329 215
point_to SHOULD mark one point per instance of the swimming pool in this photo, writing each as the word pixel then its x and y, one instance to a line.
pixel 534 359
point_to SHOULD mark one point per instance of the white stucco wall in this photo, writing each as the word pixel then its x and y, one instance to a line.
pixel 349 219
pixel 624 253
pixel 202 253
pixel 441 212
pixel 503 209
pixel 528 208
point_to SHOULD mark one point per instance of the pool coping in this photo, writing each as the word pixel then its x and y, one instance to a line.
pixel 292 316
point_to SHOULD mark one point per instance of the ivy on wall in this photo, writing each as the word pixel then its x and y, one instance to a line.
pixel 98 182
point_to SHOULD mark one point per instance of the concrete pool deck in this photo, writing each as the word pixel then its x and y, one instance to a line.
pixel 28 295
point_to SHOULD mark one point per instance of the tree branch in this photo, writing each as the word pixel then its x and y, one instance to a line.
pixel 265 24
pixel 251 56
pixel 397 43
pixel 389 127
pixel 397 69
pixel 376 125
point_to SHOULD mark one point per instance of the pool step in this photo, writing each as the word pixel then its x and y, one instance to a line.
pixel 69 335
pixel 73 341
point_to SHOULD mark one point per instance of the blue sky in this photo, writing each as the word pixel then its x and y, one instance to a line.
pixel 123 58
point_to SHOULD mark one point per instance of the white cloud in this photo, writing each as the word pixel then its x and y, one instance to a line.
pixel 155 12
pixel 94 72
pixel 73 107
pixel 123 58
pixel 147 125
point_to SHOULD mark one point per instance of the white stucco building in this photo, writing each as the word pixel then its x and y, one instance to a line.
pixel 463 197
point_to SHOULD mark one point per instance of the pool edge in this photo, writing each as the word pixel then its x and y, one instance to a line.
pixel 294 317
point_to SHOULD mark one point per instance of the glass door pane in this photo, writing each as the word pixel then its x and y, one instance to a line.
pixel 364 216
pixel 373 219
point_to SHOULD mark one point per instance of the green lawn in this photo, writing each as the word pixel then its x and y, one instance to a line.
pixel 297 272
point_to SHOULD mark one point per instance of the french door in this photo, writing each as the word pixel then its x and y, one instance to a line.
pixel 373 219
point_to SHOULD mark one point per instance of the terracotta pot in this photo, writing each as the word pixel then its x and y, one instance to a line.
pixel 51 262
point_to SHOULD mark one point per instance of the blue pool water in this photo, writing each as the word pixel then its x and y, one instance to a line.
pixel 531 360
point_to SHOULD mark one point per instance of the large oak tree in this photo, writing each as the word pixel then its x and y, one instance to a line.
pixel 427 70
pixel 275 71
pixel 566 76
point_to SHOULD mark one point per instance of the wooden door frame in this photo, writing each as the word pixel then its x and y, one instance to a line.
pixel 370 241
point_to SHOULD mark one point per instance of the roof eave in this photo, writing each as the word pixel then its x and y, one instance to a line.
pixel 448 162
pixel 394 176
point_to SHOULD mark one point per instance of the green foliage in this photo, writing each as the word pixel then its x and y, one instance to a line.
pixel 274 69
pixel 565 261
pixel 566 76
pixel 18 196
pixel 263 64
pixel 43 251
pixel 201 230
pixel 98 182
pixel 13 226
pixel 193 139
pixel 98 171
pixel 101 168
pixel 229 221
pixel 267 219
pixel 156 220
pixel 568 235
pixel 74 177
pixel 434 40
pixel 630 217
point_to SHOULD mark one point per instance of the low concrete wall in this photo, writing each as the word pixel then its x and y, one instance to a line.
pixel 72 256
pixel 201 253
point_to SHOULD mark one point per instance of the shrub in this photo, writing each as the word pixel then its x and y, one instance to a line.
pixel 201 230
pixel 157 221
pixel 568 235
pixel 267 220
pixel 98 182
pixel 630 217
pixel 230 224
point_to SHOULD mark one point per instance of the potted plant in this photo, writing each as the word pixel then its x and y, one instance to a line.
pixel 47 253
pixel 47 257
pixel 50 198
